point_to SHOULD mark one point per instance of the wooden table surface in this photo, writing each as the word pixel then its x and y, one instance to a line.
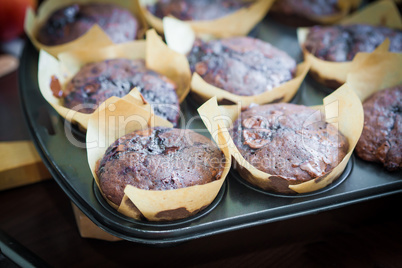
pixel 40 218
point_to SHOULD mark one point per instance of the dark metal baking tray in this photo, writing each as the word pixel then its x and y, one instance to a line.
pixel 238 205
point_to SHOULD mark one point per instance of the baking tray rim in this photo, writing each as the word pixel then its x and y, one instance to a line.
pixel 159 237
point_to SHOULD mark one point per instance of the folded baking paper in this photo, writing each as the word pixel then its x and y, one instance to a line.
pixel 373 72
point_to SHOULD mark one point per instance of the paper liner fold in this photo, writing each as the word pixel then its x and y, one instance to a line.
pixel 240 22
pixel 103 130
pixel 333 74
pixel 337 108
pixel 180 37
pixel 372 72
pixel 157 55
pixel 88 229
pixel 94 37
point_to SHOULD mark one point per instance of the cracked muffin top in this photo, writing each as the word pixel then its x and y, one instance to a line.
pixel 96 82
pixel 289 140
pixel 159 159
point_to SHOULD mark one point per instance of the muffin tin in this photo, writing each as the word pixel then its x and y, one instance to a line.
pixel 237 205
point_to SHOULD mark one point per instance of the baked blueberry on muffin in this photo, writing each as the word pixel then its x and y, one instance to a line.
pixel 341 43
pixel 302 12
pixel 71 22
pixel 196 9
pixel 96 82
pixel 241 65
pixel 381 138
pixel 158 159
pixel 288 141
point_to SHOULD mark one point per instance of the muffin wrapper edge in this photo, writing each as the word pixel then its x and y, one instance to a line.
pixel 373 72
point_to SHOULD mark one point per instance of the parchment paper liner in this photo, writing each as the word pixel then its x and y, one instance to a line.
pixel 333 74
pixel 153 205
pixel 240 22
pixel 177 30
pixel 373 72
pixel 345 7
pixel 94 37
pixel 157 55
pixel 338 108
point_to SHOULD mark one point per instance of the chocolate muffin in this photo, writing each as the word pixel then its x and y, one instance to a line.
pixel 301 13
pixel 96 82
pixel 196 9
pixel 71 22
pixel 287 140
pixel 381 138
pixel 241 65
pixel 307 7
pixel 158 159
pixel 341 43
